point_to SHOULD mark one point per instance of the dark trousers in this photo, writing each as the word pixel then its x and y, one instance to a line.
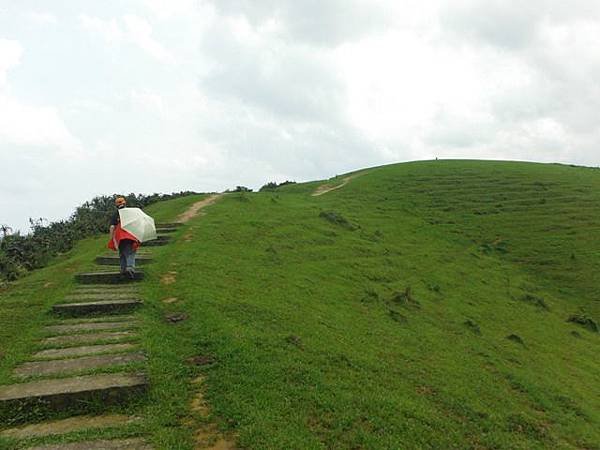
pixel 126 254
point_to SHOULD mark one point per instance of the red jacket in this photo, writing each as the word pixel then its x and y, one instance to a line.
pixel 121 234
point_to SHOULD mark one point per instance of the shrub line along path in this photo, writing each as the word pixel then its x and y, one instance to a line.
pixel 90 358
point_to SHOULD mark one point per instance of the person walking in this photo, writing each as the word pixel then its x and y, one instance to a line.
pixel 123 241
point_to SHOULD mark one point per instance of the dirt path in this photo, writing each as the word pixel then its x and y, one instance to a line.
pixel 325 188
pixel 197 207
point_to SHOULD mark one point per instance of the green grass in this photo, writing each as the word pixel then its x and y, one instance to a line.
pixel 423 305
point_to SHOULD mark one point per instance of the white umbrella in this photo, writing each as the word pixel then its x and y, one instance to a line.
pixel 138 223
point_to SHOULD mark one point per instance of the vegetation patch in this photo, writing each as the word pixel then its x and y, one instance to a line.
pixel 337 219
pixel 536 301
pixel 472 326
pixel 272 186
pixel 405 298
pixel 515 338
pixel 520 423
pixel 585 321
pixel 497 245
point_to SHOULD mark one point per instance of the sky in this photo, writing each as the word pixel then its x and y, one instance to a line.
pixel 119 96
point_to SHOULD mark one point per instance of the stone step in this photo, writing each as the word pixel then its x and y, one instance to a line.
pixel 77 294
pixel 70 425
pixel 117 289
pixel 98 296
pixel 112 277
pixel 72 352
pixel 121 444
pixel 89 338
pixel 104 287
pixel 107 268
pixel 82 320
pixel 166 229
pixel 160 240
pixel 59 394
pixel 65 366
pixel 88 327
pixel 168 225
pixel 115 261
pixel 105 307
pixel 155 243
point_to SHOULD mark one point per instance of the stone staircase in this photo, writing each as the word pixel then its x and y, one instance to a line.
pixel 88 360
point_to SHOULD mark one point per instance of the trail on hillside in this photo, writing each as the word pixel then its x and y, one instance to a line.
pixel 197 207
pixel 325 188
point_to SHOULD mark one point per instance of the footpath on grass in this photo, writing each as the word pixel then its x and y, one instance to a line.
pixel 88 361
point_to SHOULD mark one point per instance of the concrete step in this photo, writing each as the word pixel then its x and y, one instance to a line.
pixel 89 327
pixel 104 307
pixel 121 444
pixel 99 296
pixel 160 240
pixel 58 394
pixel 70 425
pixel 82 320
pixel 162 230
pixel 65 366
pixel 105 287
pixel 115 261
pixel 106 294
pixel 72 352
pixel 89 338
pixel 112 277
pixel 168 225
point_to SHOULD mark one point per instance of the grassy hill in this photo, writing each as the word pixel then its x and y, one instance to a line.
pixel 422 305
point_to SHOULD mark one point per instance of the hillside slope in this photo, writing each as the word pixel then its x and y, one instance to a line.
pixel 421 305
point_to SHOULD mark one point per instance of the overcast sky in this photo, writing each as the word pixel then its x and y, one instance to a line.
pixel 149 96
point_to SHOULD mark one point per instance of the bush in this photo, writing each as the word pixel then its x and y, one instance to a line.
pixel 271 186
pixel 240 189
pixel 22 253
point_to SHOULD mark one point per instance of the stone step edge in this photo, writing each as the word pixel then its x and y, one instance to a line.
pixel 57 391
pixel 69 425
pixel 120 444
pixel 100 306
pixel 76 365
pixel 82 350
pixel 75 340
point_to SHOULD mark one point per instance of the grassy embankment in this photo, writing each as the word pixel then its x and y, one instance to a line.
pixel 423 305
pixel 429 311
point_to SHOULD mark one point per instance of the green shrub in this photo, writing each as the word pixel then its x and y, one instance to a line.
pixel 271 186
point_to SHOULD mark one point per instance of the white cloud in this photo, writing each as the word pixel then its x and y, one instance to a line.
pixel 140 32
pixel 42 18
pixel 148 101
pixel 130 28
pixel 10 56
pixel 109 30
pixel 172 8
pixel 28 125
pixel 25 124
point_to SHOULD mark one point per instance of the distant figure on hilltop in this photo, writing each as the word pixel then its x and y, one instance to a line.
pixel 123 241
